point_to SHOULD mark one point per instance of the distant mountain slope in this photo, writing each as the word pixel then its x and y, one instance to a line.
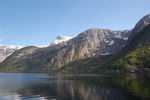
pixel 16 57
pixel 7 50
pixel 90 43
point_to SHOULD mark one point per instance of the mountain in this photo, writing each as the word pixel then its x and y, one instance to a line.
pixel 88 44
pixel 7 50
pixel 135 55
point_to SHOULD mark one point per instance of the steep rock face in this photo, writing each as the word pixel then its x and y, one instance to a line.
pixel 144 22
pixel 6 51
pixel 90 43
pixel 141 39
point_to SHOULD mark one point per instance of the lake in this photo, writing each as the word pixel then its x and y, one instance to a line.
pixel 35 86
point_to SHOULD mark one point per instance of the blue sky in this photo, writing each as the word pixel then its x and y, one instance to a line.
pixel 37 22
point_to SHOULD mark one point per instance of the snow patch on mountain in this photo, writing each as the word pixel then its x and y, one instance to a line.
pixel 111 42
pixel 5 47
pixel 125 38
pixel 7 50
pixel 60 39
pixel 118 35
pixel 106 41
pixel 105 54
pixel 43 46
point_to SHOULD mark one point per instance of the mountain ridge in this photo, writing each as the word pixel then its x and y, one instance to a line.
pixel 90 43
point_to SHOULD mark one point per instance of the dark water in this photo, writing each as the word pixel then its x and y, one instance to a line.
pixel 73 87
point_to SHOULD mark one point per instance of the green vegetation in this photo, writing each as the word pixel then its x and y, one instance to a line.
pixel 138 58
pixel 88 65
pixel 23 68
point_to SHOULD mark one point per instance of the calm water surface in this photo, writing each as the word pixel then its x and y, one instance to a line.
pixel 16 86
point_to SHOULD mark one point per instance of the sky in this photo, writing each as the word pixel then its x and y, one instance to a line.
pixel 38 22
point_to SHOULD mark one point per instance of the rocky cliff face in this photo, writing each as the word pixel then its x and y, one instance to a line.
pixel 92 42
pixel 144 22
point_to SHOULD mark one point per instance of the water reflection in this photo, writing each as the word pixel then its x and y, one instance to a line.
pixel 10 84
pixel 129 87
